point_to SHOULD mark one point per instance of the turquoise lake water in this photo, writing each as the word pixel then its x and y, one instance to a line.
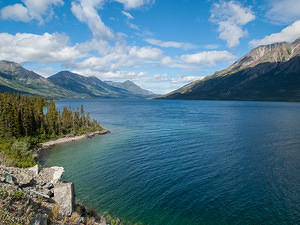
pixel 188 162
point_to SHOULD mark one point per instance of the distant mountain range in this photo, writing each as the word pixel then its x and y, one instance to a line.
pixel 15 78
pixel 267 73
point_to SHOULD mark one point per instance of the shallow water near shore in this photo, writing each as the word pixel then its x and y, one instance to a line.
pixel 188 162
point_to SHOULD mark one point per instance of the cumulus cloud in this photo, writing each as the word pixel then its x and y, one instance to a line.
pixel 32 9
pixel 15 12
pixel 46 48
pixel 231 17
pixel 288 34
pixel 171 44
pixel 127 14
pixel 208 58
pixel 111 75
pixel 119 56
pixel 176 62
pixel 145 52
pixel 284 11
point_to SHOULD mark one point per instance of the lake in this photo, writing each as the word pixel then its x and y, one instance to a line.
pixel 169 162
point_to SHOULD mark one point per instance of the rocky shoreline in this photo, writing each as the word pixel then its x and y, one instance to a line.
pixel 63 140
pixel 40 197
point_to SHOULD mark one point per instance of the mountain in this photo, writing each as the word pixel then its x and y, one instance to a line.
pixel 88 86
pixel 132 88
pixel 267 73
pixel 15 78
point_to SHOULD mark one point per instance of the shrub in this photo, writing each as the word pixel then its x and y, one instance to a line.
pixel 55 212
pixel 17 195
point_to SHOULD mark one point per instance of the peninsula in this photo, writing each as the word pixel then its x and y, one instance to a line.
pixel 30 194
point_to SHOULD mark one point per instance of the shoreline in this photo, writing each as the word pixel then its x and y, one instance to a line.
pixel 48 197
pixel 50 144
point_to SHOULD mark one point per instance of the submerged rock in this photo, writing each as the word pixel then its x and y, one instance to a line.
pixel 64 196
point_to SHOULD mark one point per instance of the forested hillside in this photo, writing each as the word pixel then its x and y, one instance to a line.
pixel 26 121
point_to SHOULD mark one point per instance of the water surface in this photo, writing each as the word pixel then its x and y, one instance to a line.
pixel 188 162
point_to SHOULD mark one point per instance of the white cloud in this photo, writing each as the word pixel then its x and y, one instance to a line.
pixel 211 46
pixel 185 79
pixel 133 26
pixel 32 9
pixel 118 56
pixel 131 4
pixel 15 12
pixel 145 52
pixel 208 58
pixel 177 79
pixel 46 48
pixel 111 75
pixel 127 14
pixel 176 62
pixel 288 34
pixel 45 71
pixel 171 44
pixel 284 11
pixel 230 17
pixel 86 12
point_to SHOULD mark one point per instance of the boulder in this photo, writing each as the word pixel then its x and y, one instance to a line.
pixel 34 169
pixel 24 179
pixel 7 178
pixel 57 174
pixel 51 175
pixel 64 196
pixel 39 219
pixel 49 186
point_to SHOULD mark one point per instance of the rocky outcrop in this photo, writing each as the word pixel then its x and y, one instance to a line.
pixel 35 197
pixel 64 195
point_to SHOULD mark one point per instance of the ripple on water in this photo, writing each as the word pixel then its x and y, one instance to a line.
pixel 188 162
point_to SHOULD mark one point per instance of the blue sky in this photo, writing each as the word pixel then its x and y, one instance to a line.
pixel 159 44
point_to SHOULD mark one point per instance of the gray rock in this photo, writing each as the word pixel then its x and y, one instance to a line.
pixel 49 186
pixel 57 174
pixel 51 175
pixel 50 194
pixel 64 196
pixel 24 179
pixel 39 219
pixel 35 169
pixel 7 178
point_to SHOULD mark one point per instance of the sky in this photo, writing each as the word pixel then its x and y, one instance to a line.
pixel 159 44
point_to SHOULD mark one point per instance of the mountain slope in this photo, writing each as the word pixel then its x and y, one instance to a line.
pixel 269 72
pixel 87 86
pixel 132 88
pixel 15 78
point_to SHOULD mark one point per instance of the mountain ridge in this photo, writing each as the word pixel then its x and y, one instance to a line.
pixel 255 74
pixel 132 87
pixel 15 78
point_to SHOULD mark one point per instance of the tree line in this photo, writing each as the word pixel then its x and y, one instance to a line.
pixel 36 116
pixel 26 121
